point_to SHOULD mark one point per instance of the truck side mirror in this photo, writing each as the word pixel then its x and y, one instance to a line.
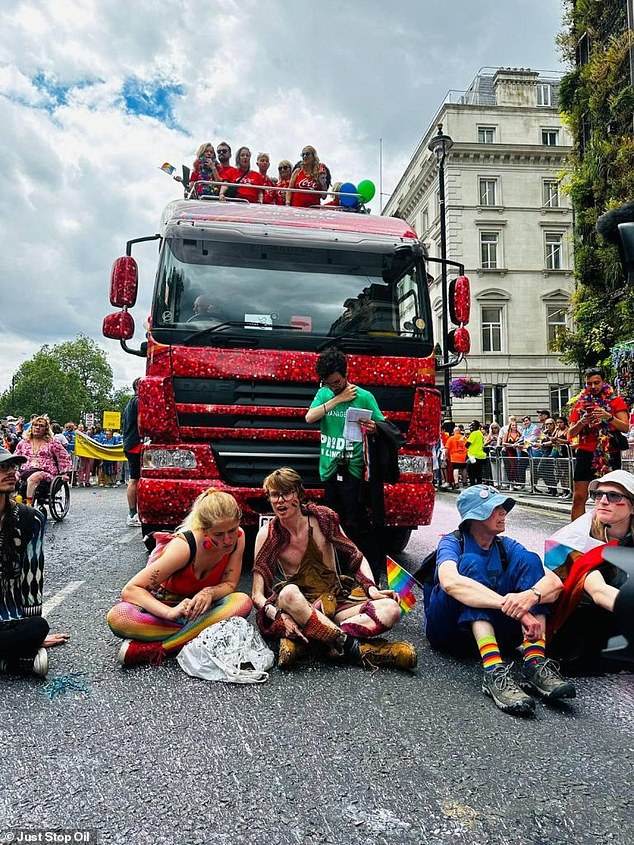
pixel 119 326
pixel 124 282
pixel 459 341
pixel 459 300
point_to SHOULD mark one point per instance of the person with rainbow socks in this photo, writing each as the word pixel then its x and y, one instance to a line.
pixel 189 583
pixel 493 590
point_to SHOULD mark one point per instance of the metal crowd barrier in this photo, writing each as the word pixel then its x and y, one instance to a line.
pixel 538 475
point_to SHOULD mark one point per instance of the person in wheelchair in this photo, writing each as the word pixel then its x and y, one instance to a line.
pixel 45 456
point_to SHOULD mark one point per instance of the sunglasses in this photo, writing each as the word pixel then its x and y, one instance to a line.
pixel 284 167
pixel 306 155
pixel 613 497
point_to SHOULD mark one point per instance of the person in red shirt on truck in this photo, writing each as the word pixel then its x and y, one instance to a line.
pixel 312 175
pixel 245 179
pixel 597 418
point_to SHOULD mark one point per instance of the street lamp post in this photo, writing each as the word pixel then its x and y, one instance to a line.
pixel 440 145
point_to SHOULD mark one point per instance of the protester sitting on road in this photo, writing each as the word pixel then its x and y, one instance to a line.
pixel 45 456
pixel 591 607
pixel 24 634
pixel 304 579
pixel 597 418
pixel 496 592
pixel 189 583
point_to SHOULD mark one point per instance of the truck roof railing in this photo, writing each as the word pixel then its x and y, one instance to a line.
pixel 191 193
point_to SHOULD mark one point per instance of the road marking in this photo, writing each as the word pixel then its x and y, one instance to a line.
pixel 49 606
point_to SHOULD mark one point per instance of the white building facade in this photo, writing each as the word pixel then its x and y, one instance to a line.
pixel 509 223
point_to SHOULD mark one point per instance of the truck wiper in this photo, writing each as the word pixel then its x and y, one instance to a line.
pixel 360 338
pixel 232 324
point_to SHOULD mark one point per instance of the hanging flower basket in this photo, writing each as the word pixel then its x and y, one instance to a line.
pixel 463 387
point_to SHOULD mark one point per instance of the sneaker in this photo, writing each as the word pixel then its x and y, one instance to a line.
pixel 291 652
pixel 37 665
pixel 544 677
pixel 506 694
pixel 133 521
pixel 379 652
pixel 135 653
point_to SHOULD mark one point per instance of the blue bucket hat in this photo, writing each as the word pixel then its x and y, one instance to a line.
pixel 479 502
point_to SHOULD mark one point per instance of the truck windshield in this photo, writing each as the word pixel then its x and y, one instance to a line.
pixel 263 291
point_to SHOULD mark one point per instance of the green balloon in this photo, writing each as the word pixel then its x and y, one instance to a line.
pixel 366 190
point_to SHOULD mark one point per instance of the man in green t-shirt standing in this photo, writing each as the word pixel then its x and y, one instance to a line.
pixel 341 461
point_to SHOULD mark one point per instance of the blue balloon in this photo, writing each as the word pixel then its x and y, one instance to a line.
pixel 348 195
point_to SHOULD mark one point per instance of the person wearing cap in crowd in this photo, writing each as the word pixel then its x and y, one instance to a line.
pixel 24 634
pixel 593 606
pixel 494 592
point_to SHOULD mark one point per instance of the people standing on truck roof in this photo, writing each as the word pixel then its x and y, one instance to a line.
pixel 342 462
pixel 264 162
pixel 335 201
pixel 312 585
pixel 244 179
pixel 132 446
pixel 284 169
pixel 311 174
pixel 190 582
pixel 226 172
pixel 204 170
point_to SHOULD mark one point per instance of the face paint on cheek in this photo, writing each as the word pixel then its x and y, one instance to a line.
pixel 207 543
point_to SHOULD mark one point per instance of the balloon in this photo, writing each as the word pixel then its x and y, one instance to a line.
pixel 366 190
pixel 348 195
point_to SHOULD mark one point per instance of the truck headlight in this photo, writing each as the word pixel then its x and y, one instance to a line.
pixel 418 464
pixel 168 458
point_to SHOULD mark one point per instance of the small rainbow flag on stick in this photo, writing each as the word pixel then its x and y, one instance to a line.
pixel 399 580
pixel 168 168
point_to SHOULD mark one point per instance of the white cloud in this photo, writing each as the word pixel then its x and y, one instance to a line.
pixel 81 172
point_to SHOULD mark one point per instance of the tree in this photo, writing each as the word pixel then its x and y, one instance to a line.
pixel 597 103
pixel 63 381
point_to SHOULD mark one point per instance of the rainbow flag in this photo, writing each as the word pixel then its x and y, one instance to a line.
pixel 399 580
pixel 168 168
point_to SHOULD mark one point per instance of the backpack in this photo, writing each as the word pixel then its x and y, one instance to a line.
pixel 426 572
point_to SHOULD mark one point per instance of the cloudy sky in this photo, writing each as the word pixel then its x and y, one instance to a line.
pixel 94 96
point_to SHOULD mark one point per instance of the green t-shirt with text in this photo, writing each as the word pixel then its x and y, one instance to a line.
pixel 333 445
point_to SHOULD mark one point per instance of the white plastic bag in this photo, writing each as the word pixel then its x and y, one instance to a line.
pixel 220 652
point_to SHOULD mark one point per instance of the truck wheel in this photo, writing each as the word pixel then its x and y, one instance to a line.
pixel 395 538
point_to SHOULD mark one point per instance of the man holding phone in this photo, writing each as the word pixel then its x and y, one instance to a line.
pixel 597 417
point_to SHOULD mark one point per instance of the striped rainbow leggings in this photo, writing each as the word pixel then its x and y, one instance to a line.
pixel 129 621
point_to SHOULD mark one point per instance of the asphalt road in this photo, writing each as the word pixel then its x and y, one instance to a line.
pixel 319 755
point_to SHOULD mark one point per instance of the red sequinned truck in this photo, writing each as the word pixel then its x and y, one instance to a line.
pixel 246 297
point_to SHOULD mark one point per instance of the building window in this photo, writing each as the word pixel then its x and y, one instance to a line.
pixel 550 197
pixel 553 250
pixel 555 322
pixel 486 134
pixel 544 94
pixel 491 320
pixel 488 191
pixel 550 137
pixel 494 403
pixel 424 221
pixel 489 242
pixel 559 398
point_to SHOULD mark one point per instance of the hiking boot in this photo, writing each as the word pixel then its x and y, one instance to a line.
pixel 379 652
pixel 544 677
pixel 37 665
pixel 507 695
pixel 135 653
pixel 291 652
